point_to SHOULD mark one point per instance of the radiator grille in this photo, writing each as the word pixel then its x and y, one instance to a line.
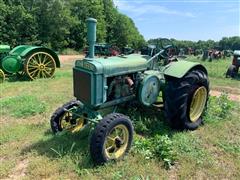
pixel 82 86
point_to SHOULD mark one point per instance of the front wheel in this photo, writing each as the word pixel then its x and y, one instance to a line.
pixel 111 139
pixel 186 99
pixel 2 76
pixel 62 119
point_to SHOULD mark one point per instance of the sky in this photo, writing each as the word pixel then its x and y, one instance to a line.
pixel 184 19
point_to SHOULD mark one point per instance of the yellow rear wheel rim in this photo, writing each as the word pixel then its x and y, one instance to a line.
pixel 116 142
pixel 65 123
pixel 2 76
pixel 40 65
pixel 198 103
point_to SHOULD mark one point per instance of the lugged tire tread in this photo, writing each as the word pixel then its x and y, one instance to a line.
pixel 100 131
pixel 54 121
pixel 177 94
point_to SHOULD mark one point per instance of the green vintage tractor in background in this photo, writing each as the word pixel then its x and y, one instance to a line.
pixel 101 83
pixel 31 61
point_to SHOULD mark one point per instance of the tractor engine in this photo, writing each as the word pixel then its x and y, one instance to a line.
pixel 106 79
pixel 121 86
pixel 102 82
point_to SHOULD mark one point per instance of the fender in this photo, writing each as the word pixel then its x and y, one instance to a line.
pixel 18 50
pixel 180 68
pixel 25 50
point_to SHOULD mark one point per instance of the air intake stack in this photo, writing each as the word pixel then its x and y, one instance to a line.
pixel 91 36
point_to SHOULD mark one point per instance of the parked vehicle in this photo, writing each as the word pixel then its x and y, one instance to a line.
pixel 234 67
pixel 32 61
pixel 101 83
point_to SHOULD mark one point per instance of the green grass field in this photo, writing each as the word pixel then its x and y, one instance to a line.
pixel 28 150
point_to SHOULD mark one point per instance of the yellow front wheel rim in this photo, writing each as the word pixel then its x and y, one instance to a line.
pixel 116 142
pixel 66 124
pixel 40 65
pixel 198 103
pixel 2 76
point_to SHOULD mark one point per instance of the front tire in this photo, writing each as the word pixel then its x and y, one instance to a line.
pixel 63 120
pixel 111 139
pixel 186 99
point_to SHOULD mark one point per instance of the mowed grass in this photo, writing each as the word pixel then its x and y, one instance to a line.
pixel 28 150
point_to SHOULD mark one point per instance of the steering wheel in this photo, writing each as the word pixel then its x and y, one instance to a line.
pixel 166 45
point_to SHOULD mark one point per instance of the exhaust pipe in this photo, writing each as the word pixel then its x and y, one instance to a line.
pixel 91 36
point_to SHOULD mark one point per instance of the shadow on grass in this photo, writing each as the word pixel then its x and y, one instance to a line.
pixel 237 77
pixel 16 78
pixel 149 121
pixel 65 145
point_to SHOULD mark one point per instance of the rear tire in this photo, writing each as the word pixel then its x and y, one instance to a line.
pixel 232 71
pixel 179 101
pixel 107 143
pixel 39 65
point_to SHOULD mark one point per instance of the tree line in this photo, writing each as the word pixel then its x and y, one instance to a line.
pixel 226 43
pixel 60 24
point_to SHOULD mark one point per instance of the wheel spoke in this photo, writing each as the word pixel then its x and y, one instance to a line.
pixel 48 63
pixel 116 132
pixel 44 74
pixel 39 58
pixel 33 61
pixel 44 59
pixel 110 138
pixel 41 74
pixel 38 74
pixel 110 147
pixel 32 66
pixel 33 71
pixel 48 75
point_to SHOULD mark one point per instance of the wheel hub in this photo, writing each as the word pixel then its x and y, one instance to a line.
pixel 41 66
pixel 116 142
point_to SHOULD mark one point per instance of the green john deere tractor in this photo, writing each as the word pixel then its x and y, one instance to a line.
pixel 32 61
pixel 101 83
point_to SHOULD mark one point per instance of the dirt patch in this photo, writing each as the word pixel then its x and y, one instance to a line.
pixel 229 90
pixel 20 170
pixel 233 97
pixel 70 58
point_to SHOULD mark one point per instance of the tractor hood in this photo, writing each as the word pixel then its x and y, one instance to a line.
pixel 116 65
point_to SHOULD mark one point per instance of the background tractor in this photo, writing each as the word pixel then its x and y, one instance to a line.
pixel 103 49
pixel 107 83
pixel 32 61
pixel 234 67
